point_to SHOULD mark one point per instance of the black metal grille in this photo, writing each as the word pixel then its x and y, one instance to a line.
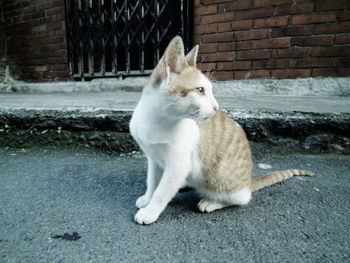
pixel 123 37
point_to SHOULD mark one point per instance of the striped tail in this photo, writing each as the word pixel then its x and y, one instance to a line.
pixel 276 177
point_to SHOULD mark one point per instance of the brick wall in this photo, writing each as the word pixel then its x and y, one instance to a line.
pixel 2 45
pixel 273 38
pixel 36 38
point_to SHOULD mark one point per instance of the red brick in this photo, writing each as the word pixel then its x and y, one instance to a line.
pixel 205 67
pixel 40 28
pixel 55 11
pixel 219 56
pixel 271 63
pixel 294 9
pixel 248 35
pixel 204 10
pixel 290 52
pixel 331 51
pixel 253 13
pixel 272 22
pixel 310 63
pixel 57 60
pixel 29 10
pixel 332 5
pixel 236 5
pixel 262 73
pixel 314 18
pixel 252 54
pixel 252 74
pixel 201 29
pixel 197 39
pixel 226 46
pixel 42 68
pixel 222 75
pixel 209 2
pixel 223 17
pixel 342 27
pixel 242 74
pixel 342 39
pixel 344 15
pixel 224 27
pixel 260 3
pixel 50 4
pixel 312 41
pixel 224 66
pixel 331 72
pixel 59 67
pixel 197 20
pixel 292 31
pixel 58 53
pixel 234 26
pixel 37 1
pixel 54 75
pixel 222 37
pixel 341 62
pixel 290 73
pixel 59 17
pixel 56 25
pixel 234 65
pixel 47 19
pixel 263 44
pixel 59 32
pixel 55 46
pixel 208 48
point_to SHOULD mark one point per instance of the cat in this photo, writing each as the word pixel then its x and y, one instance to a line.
pixel 189 141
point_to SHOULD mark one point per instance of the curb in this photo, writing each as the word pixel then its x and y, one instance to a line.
pixel 109 130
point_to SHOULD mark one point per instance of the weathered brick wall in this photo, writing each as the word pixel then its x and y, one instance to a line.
pixel 36 38
pixel 273 38
pixel 2 45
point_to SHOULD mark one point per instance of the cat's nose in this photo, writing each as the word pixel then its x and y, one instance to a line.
pixel 216 106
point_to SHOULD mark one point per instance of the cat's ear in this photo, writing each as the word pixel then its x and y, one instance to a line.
pixel 191 57
pixel 174 56
pixel 172 61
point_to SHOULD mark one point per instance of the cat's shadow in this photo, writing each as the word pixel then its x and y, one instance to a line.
pixel 185 199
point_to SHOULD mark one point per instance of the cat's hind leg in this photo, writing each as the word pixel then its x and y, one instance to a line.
pixel 207 205
pixel 240 197
pixel 218 201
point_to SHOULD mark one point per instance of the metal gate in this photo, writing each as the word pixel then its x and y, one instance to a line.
pixel 123 37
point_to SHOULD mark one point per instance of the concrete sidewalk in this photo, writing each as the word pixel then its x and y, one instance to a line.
pixel 100 119
pixel 126 101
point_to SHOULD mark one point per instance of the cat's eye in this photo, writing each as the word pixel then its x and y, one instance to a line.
pixel 200 90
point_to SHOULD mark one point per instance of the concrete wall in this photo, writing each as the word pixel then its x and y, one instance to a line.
pixel 36 38
pixel 273 38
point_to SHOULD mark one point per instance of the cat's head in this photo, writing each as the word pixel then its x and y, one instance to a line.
pixel 186 91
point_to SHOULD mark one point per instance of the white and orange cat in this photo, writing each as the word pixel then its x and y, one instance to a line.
pixel 189 141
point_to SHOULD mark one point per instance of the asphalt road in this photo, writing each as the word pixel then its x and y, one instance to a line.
pixel 78 206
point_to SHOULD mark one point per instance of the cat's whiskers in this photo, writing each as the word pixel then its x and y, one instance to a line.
pixel 192 114
pixel 209 72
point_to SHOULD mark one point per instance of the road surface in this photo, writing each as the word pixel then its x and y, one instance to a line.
pixel 61 205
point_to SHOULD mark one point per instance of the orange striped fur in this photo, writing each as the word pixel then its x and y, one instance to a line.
pixel 226 158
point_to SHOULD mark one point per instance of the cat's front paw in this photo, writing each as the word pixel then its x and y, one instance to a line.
pixel 142 201
pixel 145 217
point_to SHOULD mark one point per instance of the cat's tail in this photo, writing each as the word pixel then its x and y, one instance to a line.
pixel 276 177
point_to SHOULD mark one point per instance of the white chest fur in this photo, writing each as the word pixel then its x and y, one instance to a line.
pixel 162 139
